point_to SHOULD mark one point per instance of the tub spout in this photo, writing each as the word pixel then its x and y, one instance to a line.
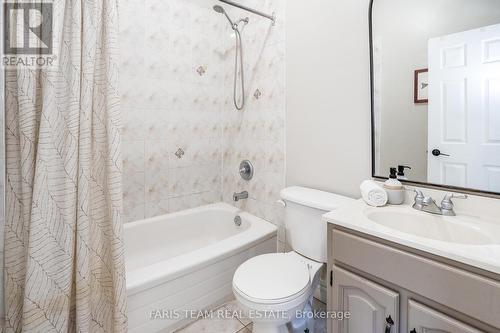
pixel 239 196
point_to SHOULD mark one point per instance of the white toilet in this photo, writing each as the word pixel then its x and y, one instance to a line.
pixel 274 288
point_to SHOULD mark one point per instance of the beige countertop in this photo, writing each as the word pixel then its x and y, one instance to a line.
pixel 473 241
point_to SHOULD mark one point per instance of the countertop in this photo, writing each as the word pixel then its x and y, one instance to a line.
pixel 487 257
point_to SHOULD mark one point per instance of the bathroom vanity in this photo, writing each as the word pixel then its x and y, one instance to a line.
pixel 399 270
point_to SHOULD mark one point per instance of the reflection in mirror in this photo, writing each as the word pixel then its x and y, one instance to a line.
pixel 436 91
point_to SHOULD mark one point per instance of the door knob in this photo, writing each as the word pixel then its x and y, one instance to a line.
pixel 437 152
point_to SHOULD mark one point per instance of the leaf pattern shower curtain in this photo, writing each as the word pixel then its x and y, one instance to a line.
pixel 64 254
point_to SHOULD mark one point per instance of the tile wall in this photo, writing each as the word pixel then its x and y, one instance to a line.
pixel 183 138
pixel 172 100
pixel 258 132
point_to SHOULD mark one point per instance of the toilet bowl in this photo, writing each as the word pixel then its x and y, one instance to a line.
pixel 274 289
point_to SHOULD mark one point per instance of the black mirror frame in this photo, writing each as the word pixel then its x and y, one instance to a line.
pixel 372 104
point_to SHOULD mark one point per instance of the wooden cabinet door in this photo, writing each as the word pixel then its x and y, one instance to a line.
pixel 369 304
pixel 422 319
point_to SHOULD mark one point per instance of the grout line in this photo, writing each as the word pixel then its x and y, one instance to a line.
pixel 238 319
pixel 243 328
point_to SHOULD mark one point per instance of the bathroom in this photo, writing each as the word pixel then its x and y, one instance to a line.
pixel 185 165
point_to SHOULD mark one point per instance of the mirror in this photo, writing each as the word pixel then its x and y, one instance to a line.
pixel 436 91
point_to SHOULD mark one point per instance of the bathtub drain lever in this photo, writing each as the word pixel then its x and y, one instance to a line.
pixel 237 220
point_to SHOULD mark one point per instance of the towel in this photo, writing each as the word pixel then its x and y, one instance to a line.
pixel 373 194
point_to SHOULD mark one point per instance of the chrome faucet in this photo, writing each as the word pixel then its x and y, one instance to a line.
pixel 240 196
pixel 427 204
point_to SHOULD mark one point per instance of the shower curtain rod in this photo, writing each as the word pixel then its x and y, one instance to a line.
pixel 251 10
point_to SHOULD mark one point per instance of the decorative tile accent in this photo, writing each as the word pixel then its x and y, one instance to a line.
pixel 257 94
pixel 201 70
pixel 179 153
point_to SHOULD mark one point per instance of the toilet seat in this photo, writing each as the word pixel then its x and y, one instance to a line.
pixel 272 278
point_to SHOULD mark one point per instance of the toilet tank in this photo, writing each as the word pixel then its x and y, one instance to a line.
pixel 305 230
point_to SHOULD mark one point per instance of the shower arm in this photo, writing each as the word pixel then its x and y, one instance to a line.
pixel 251 10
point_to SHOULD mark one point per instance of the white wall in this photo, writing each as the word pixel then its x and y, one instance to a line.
pixel 328 95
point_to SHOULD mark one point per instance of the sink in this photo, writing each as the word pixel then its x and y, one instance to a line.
pixel 441 228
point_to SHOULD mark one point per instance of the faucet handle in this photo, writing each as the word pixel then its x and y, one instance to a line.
pixel 447 204
pixel 419 196
pixel 450 196
pixel 418 201
pixel 447 199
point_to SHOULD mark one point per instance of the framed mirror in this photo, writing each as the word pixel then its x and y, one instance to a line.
pixel 435 81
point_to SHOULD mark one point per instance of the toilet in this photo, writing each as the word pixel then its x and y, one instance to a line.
pixel 275 290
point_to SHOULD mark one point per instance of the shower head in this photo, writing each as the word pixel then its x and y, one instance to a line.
pixel 221 10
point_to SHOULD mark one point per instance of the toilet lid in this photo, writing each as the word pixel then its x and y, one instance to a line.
pixel 272 277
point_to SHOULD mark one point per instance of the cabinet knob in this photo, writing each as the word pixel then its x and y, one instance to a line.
pixel 388 324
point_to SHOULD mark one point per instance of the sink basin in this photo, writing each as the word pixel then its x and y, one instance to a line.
pixel 436 227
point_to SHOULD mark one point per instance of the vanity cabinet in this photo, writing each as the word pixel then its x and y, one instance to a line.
pixel 370 304
pixel 373 279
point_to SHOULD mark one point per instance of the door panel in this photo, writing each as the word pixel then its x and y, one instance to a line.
pixel 464 109
pixel 454 174
pixel 492 110
pixel 368 303
pixel 422 319
pixel 454 124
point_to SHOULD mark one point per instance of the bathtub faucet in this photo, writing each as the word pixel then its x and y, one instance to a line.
pixel 239 196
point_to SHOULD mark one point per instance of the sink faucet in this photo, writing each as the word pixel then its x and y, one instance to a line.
pixel 427 204
pixel 240 195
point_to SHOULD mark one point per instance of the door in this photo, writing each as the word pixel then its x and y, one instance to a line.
pixel 370 305
pixel 464 109
pixel 422 319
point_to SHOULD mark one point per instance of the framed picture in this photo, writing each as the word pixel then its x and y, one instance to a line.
pixel 421 85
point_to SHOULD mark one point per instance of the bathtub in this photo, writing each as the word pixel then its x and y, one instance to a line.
pixel 186 261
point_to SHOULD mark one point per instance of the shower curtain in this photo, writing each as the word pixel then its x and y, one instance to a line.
pixel 64 254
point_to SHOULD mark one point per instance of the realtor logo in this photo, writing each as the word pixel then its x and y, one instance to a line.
pixel 28 38
pixel 28 28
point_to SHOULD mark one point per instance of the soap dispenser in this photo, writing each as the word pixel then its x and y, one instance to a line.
pixel 401 171
pixel 394 188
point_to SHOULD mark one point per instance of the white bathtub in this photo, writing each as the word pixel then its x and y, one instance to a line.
pixel 186 261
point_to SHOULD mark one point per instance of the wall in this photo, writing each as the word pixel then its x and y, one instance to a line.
pixel 328 95
pixel 177 65
pixel 403 50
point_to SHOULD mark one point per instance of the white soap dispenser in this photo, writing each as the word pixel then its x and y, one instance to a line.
pixel 394 188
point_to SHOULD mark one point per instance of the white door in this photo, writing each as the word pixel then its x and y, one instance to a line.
pixel 370 305
pixel 464 109
pixel 422 319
